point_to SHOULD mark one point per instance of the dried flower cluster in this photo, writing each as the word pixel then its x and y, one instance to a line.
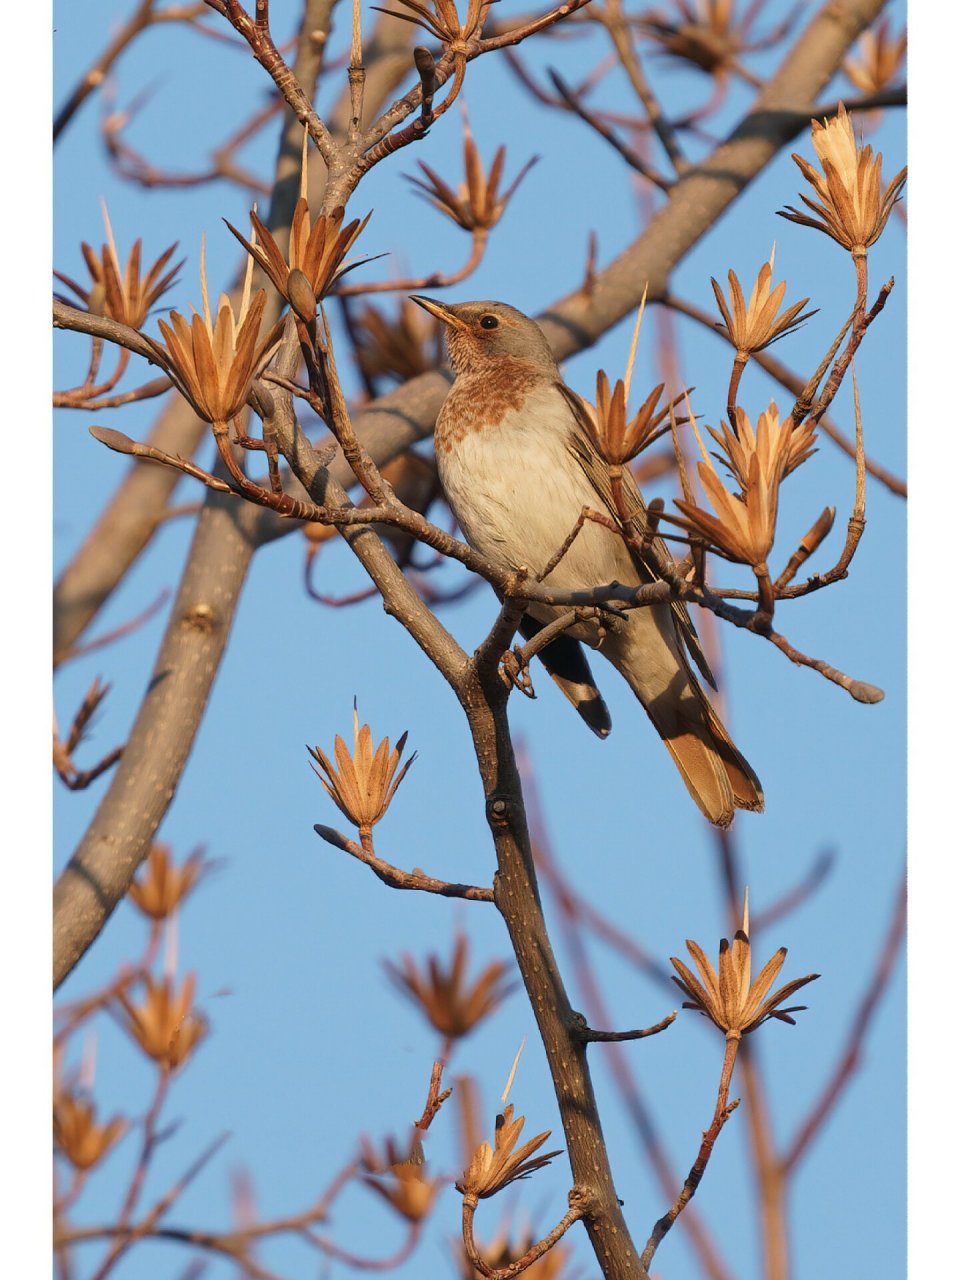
pixel 880 58
pixel 745 522
pixel 756 324
pixel 400 1178
pixel 76 1132
pixel 163 885
pixel 213 362
pixel 704 35
pixel 450 1003
pixel 363 784
pixel 615 439
pixel 118 294
pixel 477 204
pixel 442 20
pixel 164 1023
pixel 400 348
pixel 314 261
pixel 316 252
pixel 726 995
pixel 493 1168
pixel 852 206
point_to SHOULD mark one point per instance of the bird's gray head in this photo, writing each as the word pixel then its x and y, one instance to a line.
pixel 481 333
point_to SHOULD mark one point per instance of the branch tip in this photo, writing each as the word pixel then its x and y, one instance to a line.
pixel 113 439
pixel 868 693
pixel 332 836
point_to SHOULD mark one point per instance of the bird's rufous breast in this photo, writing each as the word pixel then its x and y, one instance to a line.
pixel 479 400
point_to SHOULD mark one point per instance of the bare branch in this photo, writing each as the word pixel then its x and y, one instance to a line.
pixel 849 1060
pixel 396 878
pixel 722 1113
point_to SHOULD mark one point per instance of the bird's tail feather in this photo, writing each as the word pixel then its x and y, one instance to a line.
pixel 744 783
pixel 566 661
pixel 717 776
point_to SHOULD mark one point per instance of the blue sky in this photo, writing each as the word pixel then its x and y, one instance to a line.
pixel 310 1046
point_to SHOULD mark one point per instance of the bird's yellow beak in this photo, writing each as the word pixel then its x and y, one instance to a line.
pixel 443 314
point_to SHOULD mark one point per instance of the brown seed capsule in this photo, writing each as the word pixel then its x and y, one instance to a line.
pixel 300 293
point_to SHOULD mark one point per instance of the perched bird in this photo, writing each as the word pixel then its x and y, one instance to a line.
pixel 517 467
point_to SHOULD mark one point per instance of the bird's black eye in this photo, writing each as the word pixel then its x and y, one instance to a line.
pixel 489 322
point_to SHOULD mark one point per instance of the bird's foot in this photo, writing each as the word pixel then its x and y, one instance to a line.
pixel 515 672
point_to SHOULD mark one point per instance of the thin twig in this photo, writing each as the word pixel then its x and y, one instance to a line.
pixel 141 18
pixel 722 1113
pixel 850 1058
pixel 819 871
pixel 118 633
pixel 396 878
pixel 589 117
pixel 578 1207
pixel 590 1036
pixel 436 279
pixel 148 391
pixel 612 17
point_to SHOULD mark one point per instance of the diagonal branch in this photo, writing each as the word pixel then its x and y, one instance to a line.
pixel 850 1058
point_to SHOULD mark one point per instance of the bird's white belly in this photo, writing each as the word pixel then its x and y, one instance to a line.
pixel 517 493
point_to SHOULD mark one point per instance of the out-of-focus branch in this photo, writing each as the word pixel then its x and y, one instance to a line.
pixel 612 17
pixel 63 749
pixel 793 898
pixel 130 164
pixel 574 914
pixel 636 162
pixel 123 529
pixel 850 1058
pixel 125 628
pixel 895 96
pixel 143 16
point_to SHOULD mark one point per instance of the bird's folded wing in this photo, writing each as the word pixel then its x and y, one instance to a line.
pixel 599 477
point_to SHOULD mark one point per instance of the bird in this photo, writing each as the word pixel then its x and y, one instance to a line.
pixel 517 467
